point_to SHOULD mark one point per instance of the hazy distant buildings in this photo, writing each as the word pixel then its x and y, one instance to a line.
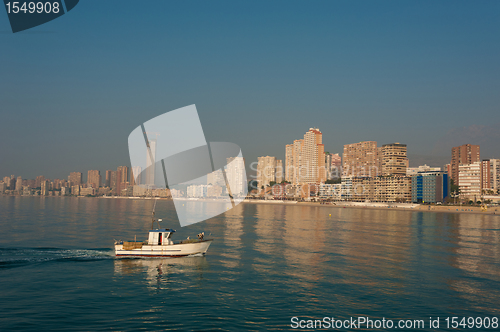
pixel 75 190
pixel 121 179
pixel 393 159
pixel 464 154
pixel 64 191
pixel 44 188
pixel 89 191
pixel 3 187
pixel 113 181
pixel 6 180
pixel 19 184
pixel 12 183
pixel 107 181
pixel 26 191
pixel 75 179
pixel 38 181
pixel 94 179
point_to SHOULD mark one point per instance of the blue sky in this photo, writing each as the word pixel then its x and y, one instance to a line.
pixel 261 73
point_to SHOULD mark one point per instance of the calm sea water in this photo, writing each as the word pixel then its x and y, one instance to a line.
pixel 268 263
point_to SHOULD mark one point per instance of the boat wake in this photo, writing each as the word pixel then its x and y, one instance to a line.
pixel 18 257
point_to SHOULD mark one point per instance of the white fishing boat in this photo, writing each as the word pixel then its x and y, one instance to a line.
pixel 160 244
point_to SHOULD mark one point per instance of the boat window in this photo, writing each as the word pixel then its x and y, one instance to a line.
pixel 159 238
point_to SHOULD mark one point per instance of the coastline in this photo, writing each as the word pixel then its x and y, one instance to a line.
pixel 393 206
pixel 342 205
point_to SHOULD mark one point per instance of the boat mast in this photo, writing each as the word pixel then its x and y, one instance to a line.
pixel 153 217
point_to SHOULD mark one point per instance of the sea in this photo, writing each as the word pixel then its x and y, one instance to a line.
pixel 271 267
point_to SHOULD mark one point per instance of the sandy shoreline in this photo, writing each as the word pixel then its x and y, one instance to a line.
pixel 348 205
pixel 395 206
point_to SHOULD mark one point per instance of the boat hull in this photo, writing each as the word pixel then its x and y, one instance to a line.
pixel 172 250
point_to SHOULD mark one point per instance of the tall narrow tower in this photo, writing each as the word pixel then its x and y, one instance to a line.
pixel 151 160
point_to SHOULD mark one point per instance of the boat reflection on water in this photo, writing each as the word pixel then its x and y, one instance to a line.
pixel 160 271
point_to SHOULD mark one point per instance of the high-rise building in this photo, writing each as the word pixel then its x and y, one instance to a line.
pixel 336 166
pixel 266 171
pixel 313 158
pixel 75 179
pixel 235 172
pixel 464 154
pixel 12 183
pixel 19 184
pixel 469 176
pixel 328 165
pixel 94 179
pixel 336 160
pixel 289 163
pixel 113 181
pixel 393 159
pixel 490 176
pixel 6 180
pixel 57 184
pixel 3 187
pixel 44 188
pixel 135 176
pixel 216 178
pixel 305 159
pixel 361 159
pixel 293 159
pixel 279 171
pixel 121 178
pixel 38 181
pixel 107 182
pixel 150 163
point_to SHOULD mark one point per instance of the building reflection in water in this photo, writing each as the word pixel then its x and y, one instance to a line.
pixel 233 232
pixel 477 256
pixel 158 272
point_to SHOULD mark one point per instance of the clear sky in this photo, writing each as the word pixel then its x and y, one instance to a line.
pixel 261 73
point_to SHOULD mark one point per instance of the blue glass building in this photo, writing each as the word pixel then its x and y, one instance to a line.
pixel 430 187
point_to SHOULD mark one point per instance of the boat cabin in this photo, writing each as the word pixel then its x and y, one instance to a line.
pixel 160 237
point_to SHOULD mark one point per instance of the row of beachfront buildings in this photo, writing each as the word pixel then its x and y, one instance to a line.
pixel 367 172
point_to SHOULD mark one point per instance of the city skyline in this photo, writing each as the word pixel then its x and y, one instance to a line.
pixel 367 173
pixel 127 172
